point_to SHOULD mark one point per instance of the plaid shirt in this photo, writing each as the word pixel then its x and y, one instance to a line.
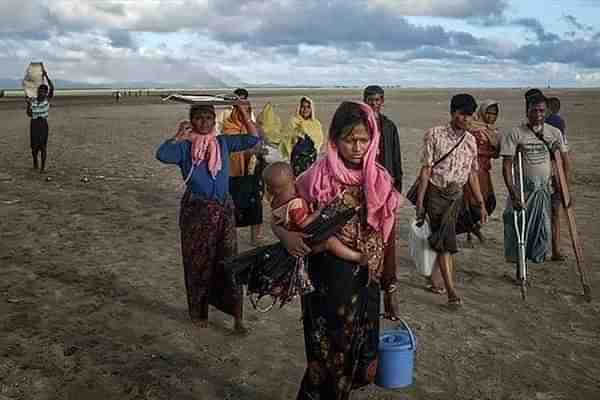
pixel 457 167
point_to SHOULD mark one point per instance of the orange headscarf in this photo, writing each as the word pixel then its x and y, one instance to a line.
pixel 240 161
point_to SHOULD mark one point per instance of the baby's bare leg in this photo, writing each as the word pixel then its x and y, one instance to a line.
pixel 319 247
pixel 337 248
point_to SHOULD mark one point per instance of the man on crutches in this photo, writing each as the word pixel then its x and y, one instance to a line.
pixel 520 224
pixel 529 193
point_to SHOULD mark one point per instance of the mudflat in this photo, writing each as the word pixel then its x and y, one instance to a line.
pixel 92 298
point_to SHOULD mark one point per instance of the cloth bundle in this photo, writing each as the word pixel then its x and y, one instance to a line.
pixel 272 271
pixel 33 79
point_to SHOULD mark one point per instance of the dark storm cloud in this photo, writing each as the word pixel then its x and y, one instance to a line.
pixel 346 25
pixel 530 24
pixel 582 52
pixel 550 47
pixel 536 27
pixel 436 53
pixel 481 8
pixel 122 39
pixel 573 22
pixel 431 8
pixel 29 35
pixel 278 31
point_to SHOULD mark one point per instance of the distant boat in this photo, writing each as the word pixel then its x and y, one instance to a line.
pixel 112 91
pixel 206 99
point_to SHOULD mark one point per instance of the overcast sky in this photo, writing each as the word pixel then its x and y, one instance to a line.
pixel 310 42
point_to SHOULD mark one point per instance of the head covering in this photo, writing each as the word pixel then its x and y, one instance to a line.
pixel 239 162
pixel 483 107
pixel 297 127
pixel 325 180
pixel 270 123
pixel 234 123
pixel 204 146
pixel 463 102
pixel 479 123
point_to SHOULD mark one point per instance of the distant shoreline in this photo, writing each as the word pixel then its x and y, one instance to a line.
pixel 137 92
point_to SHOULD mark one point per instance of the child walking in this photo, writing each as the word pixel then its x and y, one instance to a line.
pixel 37 110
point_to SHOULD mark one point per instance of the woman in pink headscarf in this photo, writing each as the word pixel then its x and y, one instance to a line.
pixel 341 317
pixel 207 212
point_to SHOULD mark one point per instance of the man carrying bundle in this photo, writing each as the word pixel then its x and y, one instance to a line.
pixel 536 141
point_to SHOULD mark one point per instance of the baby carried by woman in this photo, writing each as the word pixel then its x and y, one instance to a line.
pixel 271 270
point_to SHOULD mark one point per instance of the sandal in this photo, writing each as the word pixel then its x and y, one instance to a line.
pixel 435 289
pixel 455 302
pixel 559 258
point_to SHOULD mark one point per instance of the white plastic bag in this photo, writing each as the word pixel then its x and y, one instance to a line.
pixel 273 154
pixel 419 249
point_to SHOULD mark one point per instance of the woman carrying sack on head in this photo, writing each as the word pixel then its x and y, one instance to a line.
pixel 302 137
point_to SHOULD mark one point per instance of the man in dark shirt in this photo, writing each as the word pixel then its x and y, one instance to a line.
pixel 391 158
pixel 555 120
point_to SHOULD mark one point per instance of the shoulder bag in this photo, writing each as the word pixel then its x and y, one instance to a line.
pixel 412 193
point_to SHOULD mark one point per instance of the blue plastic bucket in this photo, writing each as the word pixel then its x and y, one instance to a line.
pixel 396 357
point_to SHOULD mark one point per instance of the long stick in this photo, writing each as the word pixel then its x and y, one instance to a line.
pixel 582 265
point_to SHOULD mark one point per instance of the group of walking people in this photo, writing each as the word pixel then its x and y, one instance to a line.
pixel 344 305
pixel 358 163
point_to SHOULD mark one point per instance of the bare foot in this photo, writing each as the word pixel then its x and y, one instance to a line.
pixel 469 244
pixel 239 328
pixel 200 323
pixel 435 289
pixel 479 235
pixel 454 301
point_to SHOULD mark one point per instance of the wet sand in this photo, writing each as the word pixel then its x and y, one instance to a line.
pixel 92 299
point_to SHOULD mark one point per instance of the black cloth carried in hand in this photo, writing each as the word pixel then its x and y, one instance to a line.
pixel 270 270
pixel 304 154
pixel 247 193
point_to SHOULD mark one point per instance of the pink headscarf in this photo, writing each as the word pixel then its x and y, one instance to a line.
pixel 325 180
pixel 204 147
